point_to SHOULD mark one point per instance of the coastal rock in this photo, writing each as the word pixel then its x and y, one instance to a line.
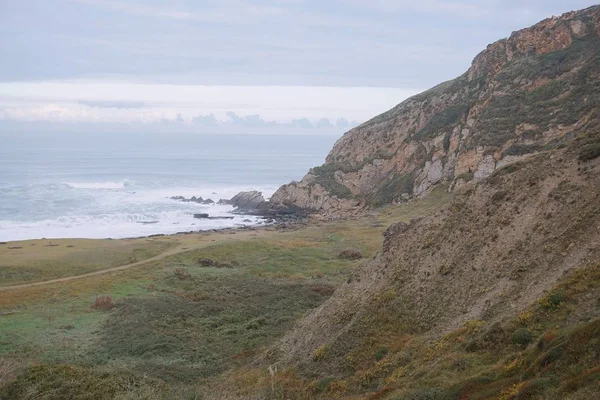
pixel 201 216
pixel 247 201
pixel 516 100
pixel 192 199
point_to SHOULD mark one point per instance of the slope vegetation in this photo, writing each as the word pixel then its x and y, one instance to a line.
pixel 491 296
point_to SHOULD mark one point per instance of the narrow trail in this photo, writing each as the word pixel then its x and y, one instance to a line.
pixel 177 250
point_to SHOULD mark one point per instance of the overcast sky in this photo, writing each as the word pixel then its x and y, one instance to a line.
pixel 273 65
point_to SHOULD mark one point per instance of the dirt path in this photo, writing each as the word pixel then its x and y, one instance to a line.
pixel 179 249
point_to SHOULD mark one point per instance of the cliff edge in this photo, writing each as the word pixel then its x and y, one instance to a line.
pixel 531 92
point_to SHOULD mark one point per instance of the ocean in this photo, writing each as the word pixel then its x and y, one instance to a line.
pixel 92 185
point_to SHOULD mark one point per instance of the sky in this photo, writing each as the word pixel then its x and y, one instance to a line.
pixel 266 66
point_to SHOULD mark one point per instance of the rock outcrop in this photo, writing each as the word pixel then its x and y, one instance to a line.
pixel 523 95
pixel 247 201
pixel 192 199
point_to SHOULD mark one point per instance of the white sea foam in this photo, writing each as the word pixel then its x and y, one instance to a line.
pixel 122 225
pixel 97 185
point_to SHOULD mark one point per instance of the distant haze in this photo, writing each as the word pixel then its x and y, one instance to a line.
pixel 266 66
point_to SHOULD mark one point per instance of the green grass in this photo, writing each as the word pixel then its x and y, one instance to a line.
pixel 32 261
pixel 176 333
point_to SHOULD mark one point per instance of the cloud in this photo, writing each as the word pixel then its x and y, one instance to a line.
pixel 206 120
pixel 252 121
pixel 302 123
pixel 209 12
pixel 323 123
pixel 113 104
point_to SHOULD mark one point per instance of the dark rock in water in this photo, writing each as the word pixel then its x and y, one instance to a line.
pixel 350 254
pixel 224 202
pixel 192 199
pixel 206 216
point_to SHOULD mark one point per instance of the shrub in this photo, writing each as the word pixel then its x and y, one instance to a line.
pixel 589 152
pixel 521 149
pixel 103 303
pixel 522 337
pixel 551 301
pixel 181 273
pixel 393 187
pixel 499 195
pixel 442 120
pixel 322 385
pixel 381 353
pixel 551 356
pixel 524 318
pixel 446 143
pixel 322 289
pixel 350 254
pixel 320 353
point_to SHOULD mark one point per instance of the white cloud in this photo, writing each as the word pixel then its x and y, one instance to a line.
pixel 134 102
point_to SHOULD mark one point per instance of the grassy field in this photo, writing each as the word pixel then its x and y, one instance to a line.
pixel 37 260
pixel 170 326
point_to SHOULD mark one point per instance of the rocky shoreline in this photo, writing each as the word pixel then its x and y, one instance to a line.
pixel 251 203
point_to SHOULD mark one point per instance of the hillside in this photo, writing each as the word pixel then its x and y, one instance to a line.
pixel 531 92
pixel 512 260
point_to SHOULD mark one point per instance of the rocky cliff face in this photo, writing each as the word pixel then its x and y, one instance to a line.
pixel 531 92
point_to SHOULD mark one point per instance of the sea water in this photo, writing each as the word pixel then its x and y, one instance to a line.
pixel 93 185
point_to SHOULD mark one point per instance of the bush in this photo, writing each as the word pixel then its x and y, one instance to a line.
pixel 381 353
pixel 499 195
pixel 103 303
pixel 521 149
pixel 350 254
pixel 182 274
pixel 552 301
pixel 442 120
pixel 522 337
pixel 551 356
pixel 589 152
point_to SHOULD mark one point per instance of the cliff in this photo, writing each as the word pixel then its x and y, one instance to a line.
pixel 529 93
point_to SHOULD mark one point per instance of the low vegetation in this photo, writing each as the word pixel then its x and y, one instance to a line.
pixel 174 326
